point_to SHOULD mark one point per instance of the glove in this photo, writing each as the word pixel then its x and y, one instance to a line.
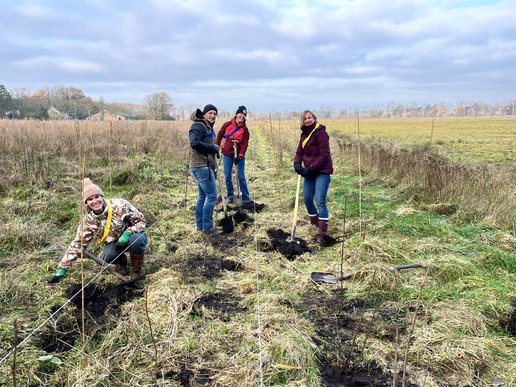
pixel 60 274
pixel 124 239
pixel 298 168
pixel 237 160
pixel 306 172
pixel 217 150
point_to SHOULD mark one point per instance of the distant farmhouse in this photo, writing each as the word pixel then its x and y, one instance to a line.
pixel 106 116
pixel 54 114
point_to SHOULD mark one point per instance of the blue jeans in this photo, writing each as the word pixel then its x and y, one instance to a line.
pixel 137 244
pixel 228 168
pixel 207 197
pixel 316 187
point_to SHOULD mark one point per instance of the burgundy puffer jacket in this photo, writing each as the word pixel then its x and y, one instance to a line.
pixel 316 153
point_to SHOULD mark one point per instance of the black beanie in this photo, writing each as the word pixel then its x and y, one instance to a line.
pixel 209 107
pixel 241 109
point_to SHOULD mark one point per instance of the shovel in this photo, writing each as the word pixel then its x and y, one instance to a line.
pixel 238 199
pixel 227 222
pixel 327 278
pixel 110 268
pixel 292 237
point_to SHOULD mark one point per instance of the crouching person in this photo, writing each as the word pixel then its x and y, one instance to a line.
pixel 117 224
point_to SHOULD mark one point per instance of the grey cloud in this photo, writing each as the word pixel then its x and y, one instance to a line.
pixel 290 53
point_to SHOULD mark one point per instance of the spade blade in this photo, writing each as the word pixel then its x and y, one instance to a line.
pixel 323 278
pixel 227 225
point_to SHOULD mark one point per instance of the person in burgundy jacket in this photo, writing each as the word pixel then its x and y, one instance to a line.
pixel 236 138
pixel 313 151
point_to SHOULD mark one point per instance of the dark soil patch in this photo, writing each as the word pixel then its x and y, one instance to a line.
pixel 253 207
pixel 62 339
pixel 243 218
pixel 207 267
pixel 221 305
pixel 328 241
pixel 222 243
pixel 510 323
pixel 185 376
pixel 102 302
pixel 230 265
pixel 337 321
pixel 290 250
pixel 369 374
pixel 102 305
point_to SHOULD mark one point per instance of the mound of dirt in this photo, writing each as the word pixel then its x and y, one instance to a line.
pixel 280 242
pixel 328 241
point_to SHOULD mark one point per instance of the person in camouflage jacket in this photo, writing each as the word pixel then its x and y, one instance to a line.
pixel 124 232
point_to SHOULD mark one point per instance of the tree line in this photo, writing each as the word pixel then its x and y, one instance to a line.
pixel 72 103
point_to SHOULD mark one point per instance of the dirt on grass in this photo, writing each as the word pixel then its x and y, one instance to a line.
pixel 185 376
pixel 220 305
pixel 281 242
pixel 206 266
pixel 510 322
pixel 338 321
pixel 102 306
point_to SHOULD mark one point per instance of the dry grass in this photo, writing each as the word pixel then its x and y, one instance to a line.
pixel 454 341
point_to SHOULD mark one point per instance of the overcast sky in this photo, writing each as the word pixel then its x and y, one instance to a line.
pixel 265 54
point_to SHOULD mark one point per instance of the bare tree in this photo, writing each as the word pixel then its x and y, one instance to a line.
pixel 159 106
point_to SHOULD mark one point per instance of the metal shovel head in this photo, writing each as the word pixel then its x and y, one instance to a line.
pixel 324 278
pixel 292 240
pixel 227 224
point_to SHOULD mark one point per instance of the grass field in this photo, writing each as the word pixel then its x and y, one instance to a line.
pixel 235 311
pixel 466 140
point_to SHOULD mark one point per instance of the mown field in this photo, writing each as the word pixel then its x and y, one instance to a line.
pixel 465 140
pixel 237 312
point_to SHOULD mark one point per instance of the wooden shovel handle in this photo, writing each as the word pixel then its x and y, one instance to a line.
pixel 296 206
pixel 235 142
pixel 224 205
pixel 108 266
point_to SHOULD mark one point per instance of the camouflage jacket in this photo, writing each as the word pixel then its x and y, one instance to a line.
pixel 124 217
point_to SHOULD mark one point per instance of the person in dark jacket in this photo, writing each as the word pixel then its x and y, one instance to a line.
pixel 202 166
pixel 313 162
pixel 236 138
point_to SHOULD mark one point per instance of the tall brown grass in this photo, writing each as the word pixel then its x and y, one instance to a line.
pixel 489 191
pixel 37 152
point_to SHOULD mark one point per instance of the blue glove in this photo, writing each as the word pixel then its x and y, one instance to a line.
pixel 124 239
pixel 298 168
pixel 307 172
